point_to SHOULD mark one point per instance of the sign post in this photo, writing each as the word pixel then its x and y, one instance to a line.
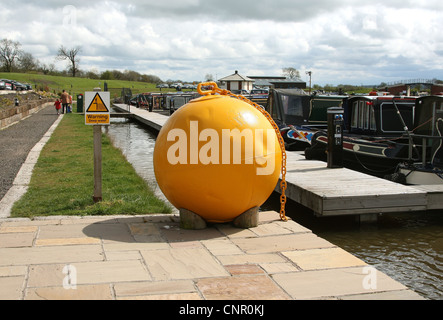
pixel 97 114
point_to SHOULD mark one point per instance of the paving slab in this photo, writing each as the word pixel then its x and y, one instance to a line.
pixel 327 258
pixel 11 288
pixel 338 282
pixel 259 287
pixel 151 258
pixel 282 243
pixel 182 264
pixel 16 240
pixel 50 254
pixel 147 288
pixel 81 292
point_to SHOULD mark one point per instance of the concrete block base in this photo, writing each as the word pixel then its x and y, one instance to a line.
pixel 248 219
pixel 192 221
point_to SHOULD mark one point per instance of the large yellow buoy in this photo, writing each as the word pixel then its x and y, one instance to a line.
pixel 218 157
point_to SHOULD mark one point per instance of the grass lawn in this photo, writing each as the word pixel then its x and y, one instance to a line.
pixel 63 179
pixel 75 86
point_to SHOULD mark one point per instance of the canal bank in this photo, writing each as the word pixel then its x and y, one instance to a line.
pixel 406 246
pixel 47 257
pixel 150 257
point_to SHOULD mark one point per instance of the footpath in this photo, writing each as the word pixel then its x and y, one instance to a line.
pixel 149 257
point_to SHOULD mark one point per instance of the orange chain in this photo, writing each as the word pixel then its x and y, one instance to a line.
pixel 283 183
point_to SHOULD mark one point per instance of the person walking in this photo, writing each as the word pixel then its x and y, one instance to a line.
pixel 70 103
pixel 65 101
pixel 58 106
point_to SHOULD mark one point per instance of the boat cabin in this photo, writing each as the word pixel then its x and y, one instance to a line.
pixel 174 101
pixel 378 116
pixel 429 128
pixel 295 107
pixel 428 110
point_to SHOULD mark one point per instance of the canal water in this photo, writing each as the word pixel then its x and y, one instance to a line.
pixel 408 247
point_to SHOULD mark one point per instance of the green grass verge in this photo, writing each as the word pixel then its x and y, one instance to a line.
pixel 75 86
pixel 63 178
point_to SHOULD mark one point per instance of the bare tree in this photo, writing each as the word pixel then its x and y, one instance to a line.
pixel 9 51
pixel 71 55
pixel 291 73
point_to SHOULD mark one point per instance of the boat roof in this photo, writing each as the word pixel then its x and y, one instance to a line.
pixel 294 91
pixel 433 97
pixel 383 97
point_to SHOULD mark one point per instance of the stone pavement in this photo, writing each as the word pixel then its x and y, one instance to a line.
pixel 150 257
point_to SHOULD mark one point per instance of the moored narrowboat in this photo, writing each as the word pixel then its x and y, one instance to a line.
pixel 299 115
pixel 377 134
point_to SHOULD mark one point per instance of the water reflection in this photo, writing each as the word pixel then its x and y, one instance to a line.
pixel 407 247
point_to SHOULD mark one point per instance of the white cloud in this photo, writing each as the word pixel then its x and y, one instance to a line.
pixel 341 41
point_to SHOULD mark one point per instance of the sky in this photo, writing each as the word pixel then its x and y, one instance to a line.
pixel 339 41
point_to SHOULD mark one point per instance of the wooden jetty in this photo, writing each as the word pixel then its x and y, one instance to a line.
pixel 341 191
pixel 334 192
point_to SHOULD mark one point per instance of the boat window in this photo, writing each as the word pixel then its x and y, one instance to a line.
pixel 373 124
pixel 273 110
pixel 179 101
pixel 390 121
pixel 292 105
pixel 361 114
pixel 367 116
pixel 354 122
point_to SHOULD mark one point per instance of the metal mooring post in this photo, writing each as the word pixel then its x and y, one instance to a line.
pixel 335 137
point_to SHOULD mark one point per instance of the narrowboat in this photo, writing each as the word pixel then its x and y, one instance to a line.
pixel 299 115
pixel 174 101
pixel 376 134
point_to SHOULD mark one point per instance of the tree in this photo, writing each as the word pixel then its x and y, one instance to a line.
pixel 291 73
pixel 107 75
pixel 27 62
pixel 71 55
pixel 47 69
pixel 9 51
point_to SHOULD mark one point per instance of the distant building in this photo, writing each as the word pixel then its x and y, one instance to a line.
pixel 278 82
pixel 236 82
pixel 437 89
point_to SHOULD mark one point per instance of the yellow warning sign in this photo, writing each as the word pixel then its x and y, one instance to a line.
pixel 98 118
pixel 97 105
pixel 97 111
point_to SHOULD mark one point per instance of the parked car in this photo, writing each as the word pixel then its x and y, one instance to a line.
pixel 19 86
pixel 241 92
pixel 176 85
pixel 260 91
pixel 2 85
pixel 188 86
pixel 163 85
pixel 8 84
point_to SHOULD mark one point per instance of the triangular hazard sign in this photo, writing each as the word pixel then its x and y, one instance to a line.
pixel 97 105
